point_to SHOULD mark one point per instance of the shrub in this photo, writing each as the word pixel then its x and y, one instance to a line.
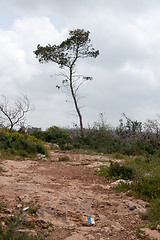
pixel 4 141
pixel 33 209
pixel 117 171
pixel 41 149
pixel 11 233
pixel 153 214
pixel 147 187
pixel 20 144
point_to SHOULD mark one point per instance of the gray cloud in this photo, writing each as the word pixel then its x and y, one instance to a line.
pixel 126 74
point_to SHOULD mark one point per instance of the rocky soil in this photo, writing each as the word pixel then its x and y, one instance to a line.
pixel 64 192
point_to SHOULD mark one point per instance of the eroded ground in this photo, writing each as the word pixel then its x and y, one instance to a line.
pixel 64 192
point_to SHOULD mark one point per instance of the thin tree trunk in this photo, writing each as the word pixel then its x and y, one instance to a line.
pixel 75 101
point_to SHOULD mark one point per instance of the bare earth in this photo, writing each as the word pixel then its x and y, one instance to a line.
pixel 64 192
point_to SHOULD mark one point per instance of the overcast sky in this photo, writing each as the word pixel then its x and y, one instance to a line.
pixel 126 74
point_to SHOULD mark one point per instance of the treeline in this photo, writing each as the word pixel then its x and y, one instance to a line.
pixel 131 137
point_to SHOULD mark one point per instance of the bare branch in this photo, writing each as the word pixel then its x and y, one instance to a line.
pixel 14 114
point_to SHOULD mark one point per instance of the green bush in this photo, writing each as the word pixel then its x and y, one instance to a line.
pixel 117 171
pixel 13 224
pixel 20 144
pixel 153 214
pixel 5 142
pixel 24 144
pixel 33 209
pixel 147 187
pixel 41 149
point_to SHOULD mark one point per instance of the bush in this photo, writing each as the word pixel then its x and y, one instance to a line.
pixel 147 187
pixel 153 214
pixel 11 233
pixel 33 209
pixel 117 171
pixel 20 144
pixel 41 149
pixel 5 142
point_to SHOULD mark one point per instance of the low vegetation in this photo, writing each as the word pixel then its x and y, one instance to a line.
pixel 145 182
pixel 12 227
pixel 15 143
pixel 64 159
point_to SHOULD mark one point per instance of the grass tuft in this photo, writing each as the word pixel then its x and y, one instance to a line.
pixel 64 159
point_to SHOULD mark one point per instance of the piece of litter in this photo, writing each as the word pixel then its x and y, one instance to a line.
pixel 85 218
pixel 92 221
pixel 25 209
pixel 88 219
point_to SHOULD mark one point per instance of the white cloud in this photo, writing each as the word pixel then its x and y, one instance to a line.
pixel 126 75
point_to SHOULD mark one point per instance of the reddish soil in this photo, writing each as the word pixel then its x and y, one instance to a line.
pixel 64 192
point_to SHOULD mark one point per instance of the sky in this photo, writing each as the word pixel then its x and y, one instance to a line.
pixel 126 74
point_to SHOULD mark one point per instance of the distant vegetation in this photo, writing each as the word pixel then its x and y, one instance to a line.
pixel 129 138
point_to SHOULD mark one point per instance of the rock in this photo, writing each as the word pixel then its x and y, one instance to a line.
pixel 106 229
pixel 133 222
pixel 3 224
pixel 153 234
pixel 55 146
pixel 141 210
pixel 114 184
pixel 41 156
pixel 137 207
pixel 158 227
pixel 19 206
pixel 30 232
pixel 117 227
pixel 131 205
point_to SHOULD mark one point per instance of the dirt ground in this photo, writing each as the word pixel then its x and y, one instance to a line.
pixel 64 192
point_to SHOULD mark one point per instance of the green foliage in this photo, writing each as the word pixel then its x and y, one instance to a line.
pixel 55 135
pixel 33 209
pixel 20 144
pixel 98 138
pixel 145 184
pixel 11 232
pixel 5 142
pixel 76 46
pixel 64 159
pixel 153 214
pixel 117 171
pixel 41 149
pixel 147 187
pixel 101 138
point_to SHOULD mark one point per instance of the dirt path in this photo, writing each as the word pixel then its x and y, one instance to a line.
pixel 65 191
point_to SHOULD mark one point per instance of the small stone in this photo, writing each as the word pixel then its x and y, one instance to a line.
pixel 158 227
pixel 153 234
pixel 132 237
pixel 19 206
pixel 133 207
pixel 3 224
pixel 133 222
pixel 106 229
